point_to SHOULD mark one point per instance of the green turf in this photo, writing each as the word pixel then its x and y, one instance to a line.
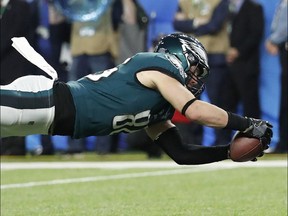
pixel 232 192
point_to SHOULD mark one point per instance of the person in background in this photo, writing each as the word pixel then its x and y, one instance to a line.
pixel 207 20
pixel 241 84
pixel 17 20
pixel 93 45
pixel 130 21
pixel 275 44
pixel 59 33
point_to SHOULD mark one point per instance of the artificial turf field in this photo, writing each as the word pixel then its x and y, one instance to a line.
pixel 124 185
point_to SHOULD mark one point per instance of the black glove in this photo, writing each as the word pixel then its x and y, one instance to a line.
pixel 261 130
pixel 255 159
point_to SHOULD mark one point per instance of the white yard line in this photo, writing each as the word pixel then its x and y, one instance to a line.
pixel 124 165
pixel 108 177
pixel 131 164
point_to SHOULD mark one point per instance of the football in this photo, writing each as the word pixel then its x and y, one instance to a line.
pixel 244 148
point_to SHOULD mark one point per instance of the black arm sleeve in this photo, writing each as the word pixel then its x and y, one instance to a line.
pixel 171 143
pixel 237 122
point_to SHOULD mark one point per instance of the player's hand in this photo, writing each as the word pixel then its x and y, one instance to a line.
pixel 261 130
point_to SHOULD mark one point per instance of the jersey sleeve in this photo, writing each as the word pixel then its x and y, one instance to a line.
pixel 165 63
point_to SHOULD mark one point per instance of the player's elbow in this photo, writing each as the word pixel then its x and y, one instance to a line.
pixel 186 161
pixel 182 162
pixel 179 161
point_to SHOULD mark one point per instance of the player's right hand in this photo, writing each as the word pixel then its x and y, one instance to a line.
pixel 260 129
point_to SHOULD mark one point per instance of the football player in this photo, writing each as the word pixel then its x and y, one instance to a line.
pixel 142 92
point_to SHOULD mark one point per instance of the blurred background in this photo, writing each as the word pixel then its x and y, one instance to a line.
pixel 75 36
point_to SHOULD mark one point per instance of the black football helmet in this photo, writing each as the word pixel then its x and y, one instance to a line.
pixel 190 52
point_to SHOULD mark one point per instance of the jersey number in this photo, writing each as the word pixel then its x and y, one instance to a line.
pixel 105 73
pixel 130 123
pixel 97 76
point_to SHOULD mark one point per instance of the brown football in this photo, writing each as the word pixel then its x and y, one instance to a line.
pixel 244 148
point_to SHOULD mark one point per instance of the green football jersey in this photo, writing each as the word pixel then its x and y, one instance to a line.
pixel 114 101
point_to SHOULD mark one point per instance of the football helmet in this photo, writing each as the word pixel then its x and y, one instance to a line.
pixel 192 55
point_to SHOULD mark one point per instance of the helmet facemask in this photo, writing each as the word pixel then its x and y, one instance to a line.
pixel 196 75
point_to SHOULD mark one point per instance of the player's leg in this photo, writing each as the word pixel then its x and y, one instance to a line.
pixel 26 106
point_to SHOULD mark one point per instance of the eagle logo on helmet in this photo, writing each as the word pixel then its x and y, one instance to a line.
pixel 195 50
